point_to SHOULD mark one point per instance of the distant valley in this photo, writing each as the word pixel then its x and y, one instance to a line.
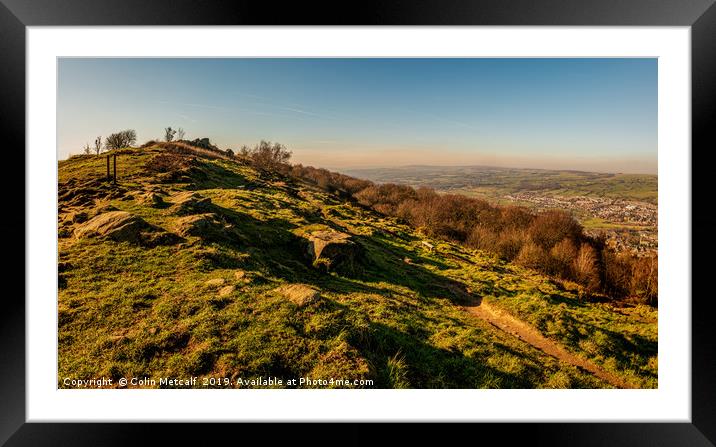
pixel 621 206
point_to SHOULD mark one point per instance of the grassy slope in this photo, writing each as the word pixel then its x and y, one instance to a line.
pixel 127 310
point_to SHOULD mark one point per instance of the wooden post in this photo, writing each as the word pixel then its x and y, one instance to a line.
pixel 107 167
pixel 115 168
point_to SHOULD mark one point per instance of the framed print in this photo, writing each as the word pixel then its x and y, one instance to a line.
pixel 353 220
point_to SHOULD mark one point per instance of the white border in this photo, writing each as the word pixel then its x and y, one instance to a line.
pixel 671 402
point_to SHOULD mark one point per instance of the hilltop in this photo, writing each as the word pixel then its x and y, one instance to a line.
pixel 195 263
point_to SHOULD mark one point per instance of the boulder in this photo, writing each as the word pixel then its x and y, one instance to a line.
pixel 333 251
pixel 189 202
pixel 204 143
pixel 115 225
pixel 215 282
pixel 200 225
pixel 152 199
pixel 299 294
pixel 226 290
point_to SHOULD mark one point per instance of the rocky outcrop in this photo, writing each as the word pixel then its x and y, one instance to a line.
pixel 201 225
pixel 122 226
pixel 299 294
pixel 332 250
pixel 152 199
pixel 189 202
pixel 203 143
pixel 116 225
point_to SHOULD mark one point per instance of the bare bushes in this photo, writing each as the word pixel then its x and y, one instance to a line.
pixel 267 156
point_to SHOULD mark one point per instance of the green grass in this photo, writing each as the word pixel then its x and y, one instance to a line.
pixel 126 310
pixel 596 223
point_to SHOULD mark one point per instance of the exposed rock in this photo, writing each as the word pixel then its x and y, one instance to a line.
pixel 117 193
pixel 215 282
pixel 226 290
pixel 240 275
pixel 78 217
pixel 334 251
pixel 201 225
pixel 115 225
pixel 189 202
pixel 299 294
pixel 105 209
pixel 152 199
pixel 154 238
pixel 202 143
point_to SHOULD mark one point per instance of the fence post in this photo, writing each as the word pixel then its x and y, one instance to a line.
pixel 115 168
pixel 108 168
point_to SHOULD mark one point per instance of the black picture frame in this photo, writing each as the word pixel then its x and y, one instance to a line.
pixel 700 15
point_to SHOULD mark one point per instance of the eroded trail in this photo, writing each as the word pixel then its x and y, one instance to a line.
pixel 507 323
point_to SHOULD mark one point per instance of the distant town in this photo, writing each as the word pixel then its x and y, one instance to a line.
pixel 628 225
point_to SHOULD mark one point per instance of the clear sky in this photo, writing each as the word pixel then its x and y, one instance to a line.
pixel 586 114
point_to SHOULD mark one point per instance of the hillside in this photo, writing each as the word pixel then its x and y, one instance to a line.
pixel 196 264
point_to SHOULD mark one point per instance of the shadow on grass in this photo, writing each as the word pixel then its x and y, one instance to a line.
pixel 405 359
pixel 281 254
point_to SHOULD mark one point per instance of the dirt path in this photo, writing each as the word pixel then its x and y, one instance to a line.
pixel 507 323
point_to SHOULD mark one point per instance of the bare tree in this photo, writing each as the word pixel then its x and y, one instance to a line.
pixel 125 138
pixel 180 134
pixel 169 134
pixel 87 149
pixel 98 145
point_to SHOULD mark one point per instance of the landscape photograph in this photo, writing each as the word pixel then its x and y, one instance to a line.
pixel 361 223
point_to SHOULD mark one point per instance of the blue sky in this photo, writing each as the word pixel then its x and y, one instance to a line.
pixel 587 114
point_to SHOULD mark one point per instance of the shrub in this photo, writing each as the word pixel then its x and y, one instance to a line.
pixel 585 267
pixel 562 257
pixel 387 196
pixel 509 243
pixel 644 279
pixel 617 273
pixel 482 238
pixel 512 217
pixel 267 156
pixel 550 227
pixel 532 256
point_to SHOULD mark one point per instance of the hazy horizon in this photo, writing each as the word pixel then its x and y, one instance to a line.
pixel 596 115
